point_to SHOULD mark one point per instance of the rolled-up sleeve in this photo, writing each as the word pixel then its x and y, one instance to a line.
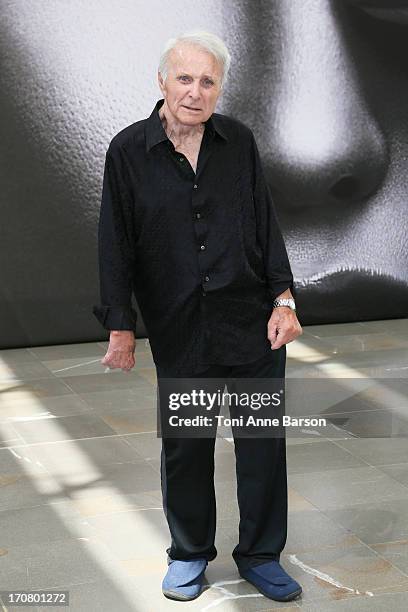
pixel 276 262
pixel 115 247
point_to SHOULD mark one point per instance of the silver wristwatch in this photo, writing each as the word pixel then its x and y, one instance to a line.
pixel 284 302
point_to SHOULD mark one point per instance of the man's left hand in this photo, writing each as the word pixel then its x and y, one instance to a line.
pixel 283 327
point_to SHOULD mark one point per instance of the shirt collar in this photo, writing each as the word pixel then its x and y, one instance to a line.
pixel 155 133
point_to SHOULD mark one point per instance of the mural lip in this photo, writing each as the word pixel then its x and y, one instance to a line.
pixel 352 289
pixel 350 295
pixel 350 273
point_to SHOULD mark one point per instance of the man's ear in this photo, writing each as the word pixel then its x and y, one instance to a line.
pixel 161 82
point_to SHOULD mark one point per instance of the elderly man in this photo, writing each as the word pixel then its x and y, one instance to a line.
pixel 188 224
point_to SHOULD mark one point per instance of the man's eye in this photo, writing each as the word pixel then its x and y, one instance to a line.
pixel 184 78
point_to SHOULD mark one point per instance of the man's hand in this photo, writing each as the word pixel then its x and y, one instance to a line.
pixel 120 353
pixel 283 327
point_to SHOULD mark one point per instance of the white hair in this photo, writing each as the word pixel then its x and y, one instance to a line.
pixel 207 41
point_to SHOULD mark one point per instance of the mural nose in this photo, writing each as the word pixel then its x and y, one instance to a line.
pixel 320 140
pixel 345 187
pixel 344 165
pixel 357 184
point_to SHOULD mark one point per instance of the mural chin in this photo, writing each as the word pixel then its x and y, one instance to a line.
pixel 351 294
pixel 349 261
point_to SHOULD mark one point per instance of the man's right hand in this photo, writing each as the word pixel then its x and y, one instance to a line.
pixel 121 349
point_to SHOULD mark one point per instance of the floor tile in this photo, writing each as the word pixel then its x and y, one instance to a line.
pixel 26 370
pixel 374 522
pixel 303 458
pixel 346 487
pixel 64 428
pixel 33 408
pixel 343 573
pixel 377 451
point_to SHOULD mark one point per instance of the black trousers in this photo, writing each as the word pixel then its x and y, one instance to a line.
pixel 187 482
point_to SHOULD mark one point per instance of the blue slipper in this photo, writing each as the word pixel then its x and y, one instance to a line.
pixel 272 581
pixel 184 579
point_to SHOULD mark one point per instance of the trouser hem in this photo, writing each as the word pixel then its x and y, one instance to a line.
pixel 244 563
pixel 188 557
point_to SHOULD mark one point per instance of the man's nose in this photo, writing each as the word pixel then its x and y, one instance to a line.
pixel 195 90
pixel 319 138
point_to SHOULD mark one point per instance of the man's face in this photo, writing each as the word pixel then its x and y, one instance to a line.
pixel 193 84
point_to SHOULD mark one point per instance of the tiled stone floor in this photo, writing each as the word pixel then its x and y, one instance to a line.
pixel 80 500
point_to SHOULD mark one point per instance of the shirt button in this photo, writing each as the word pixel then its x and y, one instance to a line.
pixel 181 158
pixel 207 278
pixel 195 186
pixel 198 215
pixel 202 247
pixel 204 293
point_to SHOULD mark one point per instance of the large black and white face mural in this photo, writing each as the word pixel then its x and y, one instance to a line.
pixel 323 84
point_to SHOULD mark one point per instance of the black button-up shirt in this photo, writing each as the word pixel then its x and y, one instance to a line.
pixel 202 251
